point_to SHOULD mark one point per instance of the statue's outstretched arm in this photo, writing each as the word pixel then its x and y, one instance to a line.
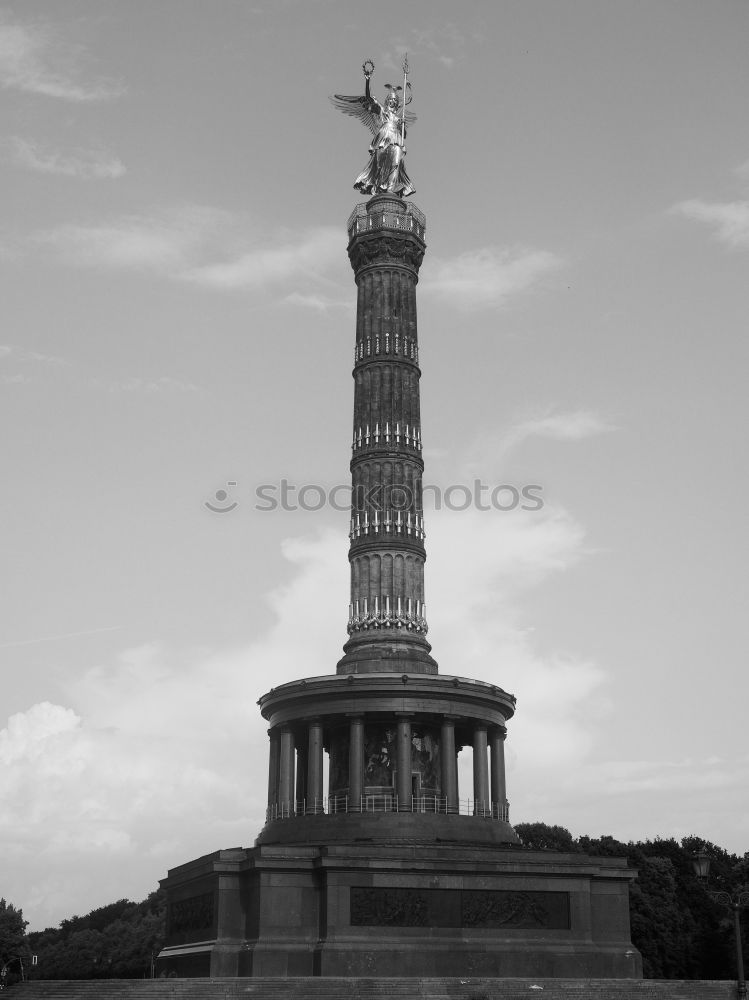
pixel 366 108
pixel 371 103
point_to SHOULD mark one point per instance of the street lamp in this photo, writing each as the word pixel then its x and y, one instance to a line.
pixel 734 901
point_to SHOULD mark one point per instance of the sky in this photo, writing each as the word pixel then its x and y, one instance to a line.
pixel 178 329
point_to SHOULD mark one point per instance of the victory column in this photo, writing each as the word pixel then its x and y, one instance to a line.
pixel 387 869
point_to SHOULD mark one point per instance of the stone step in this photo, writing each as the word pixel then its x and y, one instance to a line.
pixel 373 989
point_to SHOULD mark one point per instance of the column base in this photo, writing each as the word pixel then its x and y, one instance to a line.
pixel 391 655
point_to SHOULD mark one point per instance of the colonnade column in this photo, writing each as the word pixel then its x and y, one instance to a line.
pixel 301 776
pixel 403 765
pixel 480 771
pixel 449 759
pixel 499 785
pixel 286 772
pixel 273 761
pixel 315 768
pixel 355 762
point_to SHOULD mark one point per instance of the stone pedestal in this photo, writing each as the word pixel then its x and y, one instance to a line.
pixel 399 909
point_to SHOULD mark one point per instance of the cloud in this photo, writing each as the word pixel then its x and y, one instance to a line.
pixel 184 244
pixel 10 351
pixel 160 243
pixel 307 254
pixel 85 164
pixel 28 733
pixel 316 301
pixel 130 244
pixel 10 354
pixel 490 450
pixel 636 799
pixel 151 386
pixel 103 793
pixel 729 220
pixel 34 61
pixel 487 278
pixel 445 43
pixel 574 426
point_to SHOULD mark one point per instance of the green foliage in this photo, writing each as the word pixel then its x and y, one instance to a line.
pixel 541 837
pixel 13 946
pixel 656 904
pixel 115 941
pixel 12 931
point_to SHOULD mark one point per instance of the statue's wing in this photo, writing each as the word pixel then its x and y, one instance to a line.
pixel 361 108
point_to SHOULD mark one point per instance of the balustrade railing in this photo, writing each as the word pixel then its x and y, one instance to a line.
pixel 413 220
pixel 386 802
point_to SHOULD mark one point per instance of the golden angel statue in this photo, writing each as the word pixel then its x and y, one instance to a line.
pixel 388 122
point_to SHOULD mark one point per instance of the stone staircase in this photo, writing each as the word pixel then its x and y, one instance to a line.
pixel 373 989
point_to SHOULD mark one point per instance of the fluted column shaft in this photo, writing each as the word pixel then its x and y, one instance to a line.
pixel 274 752
pixel 286 771
pixel 301 773
pixel 499 786
pixel 355 762
pixel 403 766
pixel 315 767
pixel 480 770
pixel 449 759
pixel 387 525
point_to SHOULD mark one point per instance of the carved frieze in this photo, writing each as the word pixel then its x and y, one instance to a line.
pixel 478 909
pixel 487 908
pixel 386 250
pixel 193 914
pixel 388 908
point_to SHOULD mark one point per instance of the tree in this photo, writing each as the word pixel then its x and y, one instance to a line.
pixel 542 837
pixel 117 940
pixel 13 945
pixel 680 932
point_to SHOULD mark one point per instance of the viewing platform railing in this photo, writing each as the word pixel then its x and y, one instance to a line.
pixel 411 220
pixel 342 804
